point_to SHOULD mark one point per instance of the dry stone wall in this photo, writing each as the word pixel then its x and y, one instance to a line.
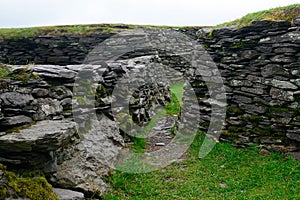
pixel 259 64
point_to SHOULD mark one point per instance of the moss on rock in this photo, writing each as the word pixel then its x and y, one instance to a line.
pixel 35 188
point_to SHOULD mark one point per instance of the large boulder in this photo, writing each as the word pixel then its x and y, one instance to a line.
pixel 36 146
pixel 86 164
pixel 45 136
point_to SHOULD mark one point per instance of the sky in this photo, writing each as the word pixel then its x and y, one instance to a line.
pixel 28 13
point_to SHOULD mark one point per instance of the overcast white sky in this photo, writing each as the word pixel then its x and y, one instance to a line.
pixel 24 13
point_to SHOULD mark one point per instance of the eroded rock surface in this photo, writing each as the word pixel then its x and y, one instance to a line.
pixel 87 163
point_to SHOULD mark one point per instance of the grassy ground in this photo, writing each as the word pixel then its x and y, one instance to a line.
pixel 226 173
pixel 287 13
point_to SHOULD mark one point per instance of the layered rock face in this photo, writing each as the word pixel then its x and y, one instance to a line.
pixel 55 120
pixel 260 65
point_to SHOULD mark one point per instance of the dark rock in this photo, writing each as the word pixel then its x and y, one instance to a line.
pixel 293 136
pixel 15 99
pixel 45 136
pixel 296 22
pixel 40 92
pixel 9 122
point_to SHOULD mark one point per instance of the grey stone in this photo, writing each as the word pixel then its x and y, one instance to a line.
pixel 40 92
pixel 253 90
pixel 273 69
pixel 160 144
pixel 15 121
pixel 45 136
pixel 296 22
pixel 47 107
pixel 15 99
pixel 293 136
pixel 60 92
pixel 281 94
pixel 282 59
pixel 54 72
pixel 65 194
pixel 253 108
pixel 283 84
pixel 92 159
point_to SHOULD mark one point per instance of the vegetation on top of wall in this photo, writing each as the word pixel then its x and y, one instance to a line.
pixel 287 13
pixel 81 29
pixel 14 33
pixel 4 72
pixel 22 74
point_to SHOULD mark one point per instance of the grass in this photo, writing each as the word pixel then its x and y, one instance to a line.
pixel 226 173
pixel 171 109
pixel 15 33
pixel 4 72
pixel 88 29
pixel 287 13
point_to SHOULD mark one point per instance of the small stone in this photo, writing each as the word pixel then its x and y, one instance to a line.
pixel 15 121
pixel 295 155
pixel 160 144
pixel 64 194
pixel 264 152
pixel 296 22
pixel 40 92
pixel 223 185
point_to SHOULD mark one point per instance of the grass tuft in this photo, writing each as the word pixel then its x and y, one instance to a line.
pixel 287 13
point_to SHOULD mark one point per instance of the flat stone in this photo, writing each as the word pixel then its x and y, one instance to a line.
pixel 64 194
pixel 15 121
pixel 283 84
pixel 15 99
pixel 293 136
pixel 160 144
pixel 40 92
pixel 54 72
pixel 45 136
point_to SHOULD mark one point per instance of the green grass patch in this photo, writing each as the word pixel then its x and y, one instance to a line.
pixel 173 107
pixel 15 33
pixel 287 13
pixel 81 29
pixel 4 72
pixel 226 173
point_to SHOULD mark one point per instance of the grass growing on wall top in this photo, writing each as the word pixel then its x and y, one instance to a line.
pixel 83 29
pixel 287 13
pixel 4 72
pixel 15 33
